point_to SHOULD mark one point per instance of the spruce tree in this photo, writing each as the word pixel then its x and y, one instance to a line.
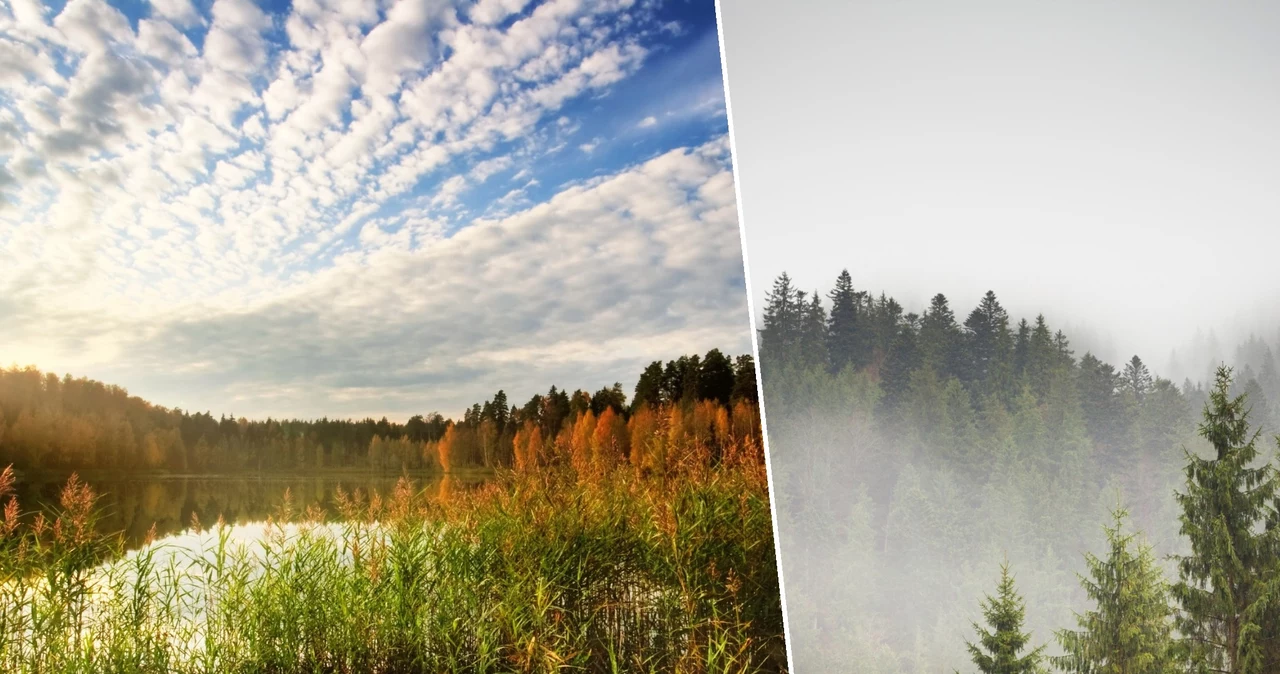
pixel 1130 629
pixel 1022 348
pixel 989 342
pixel 998 647
pixel 1136 379
pixel 782 312
pixel 940 337
pixel 811 340
pixel 1230 577
pixel 843 325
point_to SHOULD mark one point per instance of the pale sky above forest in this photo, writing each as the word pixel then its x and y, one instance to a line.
pixel 363 207
pixel 1112 165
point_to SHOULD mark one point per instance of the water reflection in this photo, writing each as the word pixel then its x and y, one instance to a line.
pixel 132 504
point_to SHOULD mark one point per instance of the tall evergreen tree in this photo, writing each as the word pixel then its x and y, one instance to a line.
pixel 904 358
pixel 1042 357
pixel 1136 379
pixel 1230 576
pixel 1022 348
pixel 1130 628
pixel 843 325
pixel 811 340
pixel 781 321
pixel 649 386
pixel 745 386
pixel 989 341
pixel 999 645
pixel 940 337
pixel 716 379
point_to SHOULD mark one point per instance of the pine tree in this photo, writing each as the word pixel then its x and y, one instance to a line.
pixel 1042 356
pixel 843 325
pixel 811 340
pixel 649 386
pixel 1136 379
pixel 745 386
pixel 904 358
pixel 998 647
pixel 1130 630
pixel 716 378
pixel 1231 574
pixel 782 313
pixel 1022 348
pixel 989 341
pixel 940 337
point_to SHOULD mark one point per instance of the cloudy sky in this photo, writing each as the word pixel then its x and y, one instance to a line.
pixel 351 207
pixel 1113 165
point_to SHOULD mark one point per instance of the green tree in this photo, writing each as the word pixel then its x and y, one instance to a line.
pixel 783 311
pixel 716 377
pixel 649 386
pixel 1000 643
pixel 744 379
pixel 940 337
pixel 989 344
pixel 1136 379
pixel 1229 578
pixel 811 342
pixel 1130 628
pixel 843 344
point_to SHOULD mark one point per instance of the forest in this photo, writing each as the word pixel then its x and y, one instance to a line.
pixel 965 492
pixel 63 424
pixel 609 535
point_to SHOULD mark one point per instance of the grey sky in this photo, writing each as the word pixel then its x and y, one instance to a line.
pixel 1114 167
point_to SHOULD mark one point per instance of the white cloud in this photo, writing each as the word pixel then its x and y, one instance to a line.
pixel 648 122
pixel 180 12
pixel 278 174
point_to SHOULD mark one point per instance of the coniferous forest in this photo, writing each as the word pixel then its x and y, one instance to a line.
pixel 961 490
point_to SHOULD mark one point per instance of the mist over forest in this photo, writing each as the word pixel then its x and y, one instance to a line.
pixel 915 454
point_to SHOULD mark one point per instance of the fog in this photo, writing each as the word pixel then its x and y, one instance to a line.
pixel 1112 168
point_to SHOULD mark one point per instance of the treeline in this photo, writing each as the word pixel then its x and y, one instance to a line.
pixel 913 452
pixel 52 423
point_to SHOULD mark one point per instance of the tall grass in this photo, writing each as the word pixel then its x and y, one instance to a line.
pixel 536 572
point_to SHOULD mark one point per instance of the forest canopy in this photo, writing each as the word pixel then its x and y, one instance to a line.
pixel 67 423
pixel 926 463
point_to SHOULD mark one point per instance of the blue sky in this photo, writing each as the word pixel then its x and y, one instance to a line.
pixel 351 207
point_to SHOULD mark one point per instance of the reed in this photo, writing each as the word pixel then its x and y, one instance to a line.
pixel 539 571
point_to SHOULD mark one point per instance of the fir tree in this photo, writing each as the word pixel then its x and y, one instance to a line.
pixel 1228 580
pixel 782 313
pixel 1130 629
pixel 1136 379
pixel 987 330
pixel 998 647
pixel 904 358
pixel 843 325
pixel 940 337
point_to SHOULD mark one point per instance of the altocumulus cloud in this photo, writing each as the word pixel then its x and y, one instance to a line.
pixel 345 208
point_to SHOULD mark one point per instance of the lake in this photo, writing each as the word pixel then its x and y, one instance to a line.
pixel 131 504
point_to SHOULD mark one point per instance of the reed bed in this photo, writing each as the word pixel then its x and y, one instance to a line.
pixel 535 572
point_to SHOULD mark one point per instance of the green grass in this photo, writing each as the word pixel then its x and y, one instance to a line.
pixel 528 574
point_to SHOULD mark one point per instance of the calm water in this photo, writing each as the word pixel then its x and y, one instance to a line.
pixel 133 504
